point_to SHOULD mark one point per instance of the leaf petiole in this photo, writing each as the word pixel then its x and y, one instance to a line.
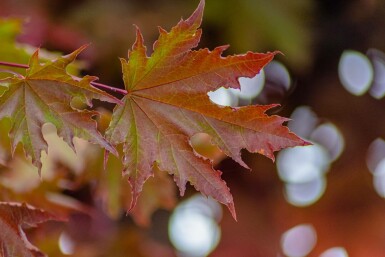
pixel 15 65
pixel 95 84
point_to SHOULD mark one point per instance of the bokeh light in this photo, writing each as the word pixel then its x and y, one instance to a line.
pixel 303 169
pixel 303 121
pixel 329 136
pixel 306 193
pixel 206 206
pixel 66 244
pixel 378 60
pixel 251 87
pixel 376 164
pixel 335 252
pixel 272 82
pixel 355 72
pixel 278 74
pixel 379 178
pixel 193 227
pixel 299 240
pixel 375 154
pixel 302 164
pixel 223 96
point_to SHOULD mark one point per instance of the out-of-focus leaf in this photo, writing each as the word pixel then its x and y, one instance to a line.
pixel 159 191
pixel 61 170
pixel 14 218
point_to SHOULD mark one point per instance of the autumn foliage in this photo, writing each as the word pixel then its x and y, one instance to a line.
pixel 165 104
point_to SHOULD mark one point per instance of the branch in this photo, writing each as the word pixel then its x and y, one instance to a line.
pixel 95 84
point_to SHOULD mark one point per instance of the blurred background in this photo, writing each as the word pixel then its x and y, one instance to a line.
pixel 323 200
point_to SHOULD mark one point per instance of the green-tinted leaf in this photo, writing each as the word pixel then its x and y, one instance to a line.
pixel 44 95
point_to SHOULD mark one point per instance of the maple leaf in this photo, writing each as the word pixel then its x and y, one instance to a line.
pixel 167 103
pixel 44 95
pixel 13 218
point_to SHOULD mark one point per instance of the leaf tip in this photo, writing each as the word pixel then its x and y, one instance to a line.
pixel 37 163
pixel 161 30
pixel 231 208
pixel 306 143
pixel 72 56
pixel 197 16
pixel 81 48
pixel 277 52
pixel 112 149
pixel 34 60
pixel 136 189
pixel 139 41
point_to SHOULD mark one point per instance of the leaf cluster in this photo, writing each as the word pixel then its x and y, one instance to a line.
pixel 165 105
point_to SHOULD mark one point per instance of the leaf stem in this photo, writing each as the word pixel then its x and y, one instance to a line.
pixel 15 65
pixel 104 86
pixel 95 84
